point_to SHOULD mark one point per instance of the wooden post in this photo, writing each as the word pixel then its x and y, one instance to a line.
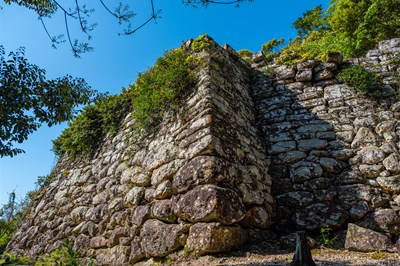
pixel 302 256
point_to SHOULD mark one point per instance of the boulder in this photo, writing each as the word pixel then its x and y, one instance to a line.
pixel 320 215
pixel 213 238
pixel 159 239
pixel 382 220
pixel 163 210
pixel 371 155
pixel 256 217
pixel 210 203
pixel 392 164
pixel 365 240
pixel 390 183
pixel 359 210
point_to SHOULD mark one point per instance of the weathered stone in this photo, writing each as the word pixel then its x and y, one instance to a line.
pixel 134 196
pixel 256 217
pixel 320 215
pixel 141 179
pixel 371 171
pixel 359 210
pixel 81 243
pixel 283 146
pixel 304 75
pixel 364 122
pixel 382 220
pixel 321 127
pixel 303 171
pixel 164 190
pixel 364 136
pixel 309 64
pixel 129 173
pixel 392 164
pixel 323 66
pixel 137 253
pixel 210 203
pixel 371 155
pixel 199 171
pixel 365 240
pixel 289 157
pixel 115 205
pixel 116 234
pixel 165 172
pixel 159 239
pixel 98 242
pixel 324 74
pixel 389 183
pixel 212 238
pixel 78 214
pixel 330 165
pixel 140 214
pixel 285 73
pixel 163 210
pixel 385 126
pixel 311 144
pixel 297 198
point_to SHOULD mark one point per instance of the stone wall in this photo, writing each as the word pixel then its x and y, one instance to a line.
pixel 198 180
pixel 335 153
pixel 247 147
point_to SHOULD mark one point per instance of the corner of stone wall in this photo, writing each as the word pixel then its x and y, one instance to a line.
pixel 199 181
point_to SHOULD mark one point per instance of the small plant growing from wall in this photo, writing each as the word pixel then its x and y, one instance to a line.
pixel 327 237
pixel 156 91
pixel 363 81
pixel 271 49
pixel 246 55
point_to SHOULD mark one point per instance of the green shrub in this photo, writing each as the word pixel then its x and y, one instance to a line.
pixel 347 26
pixel 63 256
pixel 271 48
pixel 326 236
pixel 362 80
pixel 155 91
pixel 158 88
pixel 201 43
pixel 91 126
pixel 246 55
pixel 14 260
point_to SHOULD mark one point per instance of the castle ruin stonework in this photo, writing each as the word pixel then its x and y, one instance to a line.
pixel 252 148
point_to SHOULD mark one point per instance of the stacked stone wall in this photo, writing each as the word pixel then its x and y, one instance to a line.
pixel 334 153
pixel 197 180
pixel 247 147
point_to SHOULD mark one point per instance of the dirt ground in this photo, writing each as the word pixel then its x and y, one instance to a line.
pixel 269 255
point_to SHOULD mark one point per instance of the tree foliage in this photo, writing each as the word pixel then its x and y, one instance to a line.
pixel 314 19
pixel 348 26
pixel 155 91
pixel 271 48
pixel 10 216
pixel 28 99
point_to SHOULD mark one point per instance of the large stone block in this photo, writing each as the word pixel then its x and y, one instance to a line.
pixel 382 220
pixel 213 237
pixel 362 239
pixel 159 239
pixel 320 215
pixel 210 203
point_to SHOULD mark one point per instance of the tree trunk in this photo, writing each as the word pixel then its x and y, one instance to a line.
pixel 302 256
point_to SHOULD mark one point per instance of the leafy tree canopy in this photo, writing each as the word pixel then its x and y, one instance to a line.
pixel 349 26
pixel 28 99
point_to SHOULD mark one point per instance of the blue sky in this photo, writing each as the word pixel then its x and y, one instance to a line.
pixel 116 60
